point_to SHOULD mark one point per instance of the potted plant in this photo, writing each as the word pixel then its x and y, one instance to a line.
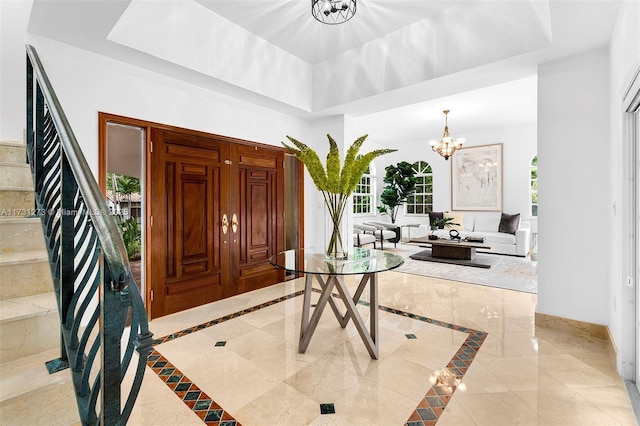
pixel 440 223
pixel 336 182
pixel 401 183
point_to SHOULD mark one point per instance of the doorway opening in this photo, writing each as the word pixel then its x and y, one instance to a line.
pixel 125 190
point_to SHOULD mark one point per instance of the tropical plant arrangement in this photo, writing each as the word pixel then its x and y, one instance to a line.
pixel 401 183
pixel 336 182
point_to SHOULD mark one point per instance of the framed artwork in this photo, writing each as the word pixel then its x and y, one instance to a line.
pixel 476 178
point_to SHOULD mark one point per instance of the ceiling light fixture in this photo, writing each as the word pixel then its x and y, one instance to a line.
pixel 333 11
pixel 447 145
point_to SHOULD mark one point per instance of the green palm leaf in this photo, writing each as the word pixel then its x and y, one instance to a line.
pixel 333 166
pixel 311 160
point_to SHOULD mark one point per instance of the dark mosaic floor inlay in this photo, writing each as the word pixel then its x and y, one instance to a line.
pixel 327 408
pixel 427 413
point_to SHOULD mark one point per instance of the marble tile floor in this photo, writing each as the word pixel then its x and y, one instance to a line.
pixel 451 354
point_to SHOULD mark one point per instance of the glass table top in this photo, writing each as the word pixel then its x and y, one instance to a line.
pixel 360 261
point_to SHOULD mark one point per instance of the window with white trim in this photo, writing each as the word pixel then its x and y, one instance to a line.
pixel 421 202
pixel 364 194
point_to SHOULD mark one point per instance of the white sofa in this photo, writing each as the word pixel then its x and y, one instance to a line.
pixel 485 225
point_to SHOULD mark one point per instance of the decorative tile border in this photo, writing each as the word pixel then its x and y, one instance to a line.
pixel 436 399
pixel 206 408
pixel 427 413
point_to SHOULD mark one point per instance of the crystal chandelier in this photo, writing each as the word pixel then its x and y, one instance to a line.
pixel 333 11
pixel 447 145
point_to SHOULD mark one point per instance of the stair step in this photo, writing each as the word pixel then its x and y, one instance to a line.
pixel 28 325
pixel 13 152
pixel 16 201
pixel 28 388
pixel 15 175
pixel 24 273
pixel 20 234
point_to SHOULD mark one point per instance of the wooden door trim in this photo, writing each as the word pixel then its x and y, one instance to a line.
pixel 104 118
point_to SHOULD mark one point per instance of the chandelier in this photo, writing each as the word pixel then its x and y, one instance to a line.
pixel 447 145
pixel 333 11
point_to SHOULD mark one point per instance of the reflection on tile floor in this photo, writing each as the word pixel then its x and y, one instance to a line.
pixel 450 353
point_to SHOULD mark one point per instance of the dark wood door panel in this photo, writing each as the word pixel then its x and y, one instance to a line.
pixel 260 206
pixel 188 198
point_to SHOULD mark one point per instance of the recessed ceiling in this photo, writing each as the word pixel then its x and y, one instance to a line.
pixel 290 26
pixel 395 106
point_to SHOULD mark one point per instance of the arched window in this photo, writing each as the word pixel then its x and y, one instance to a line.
pixel 421 202
pixel 534 186
pixel 364 193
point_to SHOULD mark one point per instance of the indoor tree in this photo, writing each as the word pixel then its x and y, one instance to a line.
pixel 401 183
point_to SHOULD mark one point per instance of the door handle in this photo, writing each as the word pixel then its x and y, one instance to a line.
pixel 225 224
pixel 234 223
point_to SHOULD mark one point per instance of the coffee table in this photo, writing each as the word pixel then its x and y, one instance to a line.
pixel 451 251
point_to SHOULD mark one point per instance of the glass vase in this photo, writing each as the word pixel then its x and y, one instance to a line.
pixel 336 241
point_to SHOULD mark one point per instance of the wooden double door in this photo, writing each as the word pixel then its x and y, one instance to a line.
pixel 217 214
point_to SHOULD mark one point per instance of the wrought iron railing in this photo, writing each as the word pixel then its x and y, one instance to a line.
pixel 102 317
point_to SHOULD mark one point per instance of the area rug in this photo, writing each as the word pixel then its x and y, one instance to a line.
pixel 508 272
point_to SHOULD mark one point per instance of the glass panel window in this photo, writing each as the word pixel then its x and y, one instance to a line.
pixel 363 195
pixel 421 202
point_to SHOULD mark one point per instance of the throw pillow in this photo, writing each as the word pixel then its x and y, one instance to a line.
pixel 435 215
pixel 509 223
pixel 458 217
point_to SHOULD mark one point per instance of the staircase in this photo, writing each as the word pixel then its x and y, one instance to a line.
pixel 29 321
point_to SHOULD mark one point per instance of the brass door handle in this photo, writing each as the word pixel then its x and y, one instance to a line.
pixel 225 224
pixel 234 223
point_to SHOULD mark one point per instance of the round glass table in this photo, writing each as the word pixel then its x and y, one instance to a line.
pixel 329 274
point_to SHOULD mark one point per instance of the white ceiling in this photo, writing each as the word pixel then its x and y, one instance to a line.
pixel 289 25
pixel 508 104
pixel 492 95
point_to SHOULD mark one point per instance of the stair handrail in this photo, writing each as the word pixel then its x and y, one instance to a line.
pixel 92 227
pixel 113 247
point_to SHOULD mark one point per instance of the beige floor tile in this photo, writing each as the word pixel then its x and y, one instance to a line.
pixel 427 352
pixel 480 380
pixel 563 406
pixel 521 374
pixel 503 408
pixel 368 405
pixel 612 401
pixel 517 373
pixel 454 415
pixel 281 405
pixel 402 376
pixel 571 372
pixel 281 361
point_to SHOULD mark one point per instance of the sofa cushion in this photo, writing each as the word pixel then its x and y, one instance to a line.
pixel 436 215
pixel 509 223
pixel 494 237
pixel 458 217
pixel 487 223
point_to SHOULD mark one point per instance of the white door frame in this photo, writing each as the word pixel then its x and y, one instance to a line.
pixel 630 345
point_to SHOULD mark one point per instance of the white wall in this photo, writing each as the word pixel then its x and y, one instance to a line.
pixel 87 83
pixel 574 216
pixel 625 62
pixel 519 147
pixel 14 16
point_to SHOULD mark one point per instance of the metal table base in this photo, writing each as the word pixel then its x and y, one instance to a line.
pixel 308 326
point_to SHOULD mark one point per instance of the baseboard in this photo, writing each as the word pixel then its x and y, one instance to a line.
pixel 580 328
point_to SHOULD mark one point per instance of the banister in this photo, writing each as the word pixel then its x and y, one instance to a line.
pixel 113 248
pixel 99 304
